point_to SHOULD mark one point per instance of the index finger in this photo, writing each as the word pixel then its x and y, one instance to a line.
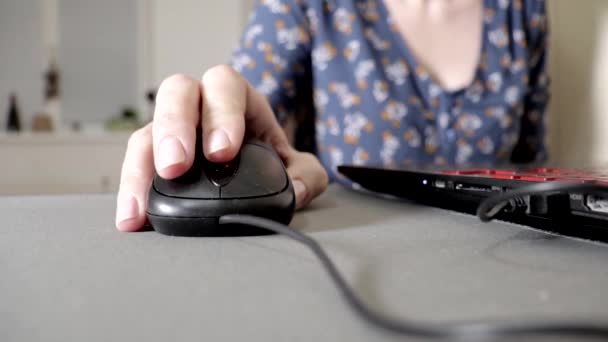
pixel 176 118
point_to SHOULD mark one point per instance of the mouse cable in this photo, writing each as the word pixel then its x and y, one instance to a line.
pixel 461 331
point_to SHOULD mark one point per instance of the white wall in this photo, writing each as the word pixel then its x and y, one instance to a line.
pixel 98 57
pixel 579 67
pixel 111 51
pixel 190 36
pixel 21 57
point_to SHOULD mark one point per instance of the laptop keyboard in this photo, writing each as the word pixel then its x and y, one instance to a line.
pixel 591 175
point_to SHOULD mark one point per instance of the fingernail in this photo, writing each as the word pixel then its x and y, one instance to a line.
pixel 218 140
pixel 170 152
pixel 300 189
pixel 127 208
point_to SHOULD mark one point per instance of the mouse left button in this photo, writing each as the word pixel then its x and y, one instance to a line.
pixel 193 184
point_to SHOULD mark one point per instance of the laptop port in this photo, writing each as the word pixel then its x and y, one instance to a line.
pixel 480 188
pixel 596 204
pixel 440 184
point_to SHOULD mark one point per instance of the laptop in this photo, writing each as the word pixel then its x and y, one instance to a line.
pixel 574 213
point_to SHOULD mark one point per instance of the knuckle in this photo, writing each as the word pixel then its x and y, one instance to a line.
pixel 168 117
pixel 226 110
pixel 132 176
pixel 176 86
pixel 178 97
pixel 142 135
pixel 136 173
pixel 311 158
pixel 324 178
pixel 309 155
pixel 175 81
pixel 173 114
pixel 218 72
pixel 320 174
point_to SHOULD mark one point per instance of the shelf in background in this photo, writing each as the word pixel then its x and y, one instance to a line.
pixel 61 162
pixel 64 138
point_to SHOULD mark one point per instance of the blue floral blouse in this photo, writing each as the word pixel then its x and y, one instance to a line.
pixel 342 70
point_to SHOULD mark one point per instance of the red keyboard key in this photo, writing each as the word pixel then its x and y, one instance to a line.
pixel 468 172
pixel 535 178
pixel 540 174
pixel 505 172
pixel 504 176
pixel 563 171
pixel 542 170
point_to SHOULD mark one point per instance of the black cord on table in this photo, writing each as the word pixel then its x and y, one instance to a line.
pixel 465 331
pixel 491 206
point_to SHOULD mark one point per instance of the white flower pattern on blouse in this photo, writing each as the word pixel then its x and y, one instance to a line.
pixel 358 95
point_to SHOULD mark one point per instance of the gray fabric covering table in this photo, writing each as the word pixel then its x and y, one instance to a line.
pixel 68 275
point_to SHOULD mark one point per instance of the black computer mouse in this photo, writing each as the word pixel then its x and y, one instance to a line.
pixel 254 183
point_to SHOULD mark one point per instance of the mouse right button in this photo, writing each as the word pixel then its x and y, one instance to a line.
pixel 260 173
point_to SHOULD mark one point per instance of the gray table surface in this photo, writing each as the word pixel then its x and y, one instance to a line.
pixel 68 275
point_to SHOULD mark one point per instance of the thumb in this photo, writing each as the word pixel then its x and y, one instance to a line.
pixel 307 175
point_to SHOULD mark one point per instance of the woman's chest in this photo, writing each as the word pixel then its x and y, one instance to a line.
pixel 359 60
pixel 444 37
pixel 370 97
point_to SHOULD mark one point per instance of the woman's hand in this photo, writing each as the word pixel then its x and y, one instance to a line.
pixel 226 106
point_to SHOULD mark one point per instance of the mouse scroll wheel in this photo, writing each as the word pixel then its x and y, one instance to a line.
pixel 220 174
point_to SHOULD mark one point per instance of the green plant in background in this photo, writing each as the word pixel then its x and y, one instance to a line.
pixel 127 121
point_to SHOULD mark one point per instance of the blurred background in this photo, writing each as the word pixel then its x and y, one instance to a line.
pixel 76 78
pixel 80 74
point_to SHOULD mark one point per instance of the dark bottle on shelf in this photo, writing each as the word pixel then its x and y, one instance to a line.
pixel 13 122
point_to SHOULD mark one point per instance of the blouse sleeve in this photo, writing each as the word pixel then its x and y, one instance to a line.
pixel 531 146
pixel 273 54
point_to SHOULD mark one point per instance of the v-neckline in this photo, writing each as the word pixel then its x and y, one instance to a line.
pixel 414 64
